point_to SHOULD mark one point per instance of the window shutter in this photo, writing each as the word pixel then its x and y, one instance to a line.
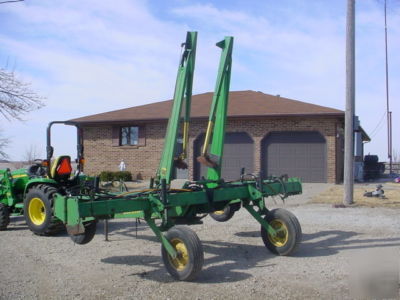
pixel 115 136
pixel 142 136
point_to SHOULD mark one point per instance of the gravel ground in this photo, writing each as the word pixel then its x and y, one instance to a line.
pixel 338 244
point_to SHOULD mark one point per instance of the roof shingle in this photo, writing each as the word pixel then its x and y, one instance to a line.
pixel 241 104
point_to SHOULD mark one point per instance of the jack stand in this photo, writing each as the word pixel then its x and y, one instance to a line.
pixel 137 221
pixel 106 230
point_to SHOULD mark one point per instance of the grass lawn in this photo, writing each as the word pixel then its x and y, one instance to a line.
pixel 334 195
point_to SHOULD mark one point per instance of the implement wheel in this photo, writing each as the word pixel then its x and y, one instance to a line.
pixel 189 261
pixel 288 232
pixel 4 216
pixel 223 215
pixel 88 235
pixel 38 210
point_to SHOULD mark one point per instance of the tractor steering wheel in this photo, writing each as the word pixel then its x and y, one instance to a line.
pixel 37 169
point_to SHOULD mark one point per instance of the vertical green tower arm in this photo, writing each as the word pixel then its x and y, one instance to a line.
pixel 219 107
pixel 183 89
pixel 188 98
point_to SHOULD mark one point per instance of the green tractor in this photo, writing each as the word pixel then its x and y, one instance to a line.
pixel 30 191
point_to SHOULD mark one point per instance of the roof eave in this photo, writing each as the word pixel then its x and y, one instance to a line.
pixel 95 122
pixel 364 136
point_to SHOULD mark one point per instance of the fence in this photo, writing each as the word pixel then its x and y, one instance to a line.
pixel 395 167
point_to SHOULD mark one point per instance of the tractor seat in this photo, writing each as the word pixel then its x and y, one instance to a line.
pixel 61 168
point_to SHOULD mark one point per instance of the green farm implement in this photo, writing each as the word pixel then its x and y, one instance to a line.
pixel 78 203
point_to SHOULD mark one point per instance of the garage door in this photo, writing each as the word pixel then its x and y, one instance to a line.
pixel 238 154
pixel 300 154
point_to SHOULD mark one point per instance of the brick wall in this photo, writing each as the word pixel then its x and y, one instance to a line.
pixel 143 161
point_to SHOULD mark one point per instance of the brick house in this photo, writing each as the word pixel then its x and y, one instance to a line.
pixel 267 134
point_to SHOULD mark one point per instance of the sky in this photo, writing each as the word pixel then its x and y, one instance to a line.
pixel 88 57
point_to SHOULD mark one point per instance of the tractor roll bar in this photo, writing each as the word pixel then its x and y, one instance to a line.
pixel 79 140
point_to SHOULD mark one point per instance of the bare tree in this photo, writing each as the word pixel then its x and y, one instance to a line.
pixel 3 144
pixel 32 153
pixel 16 97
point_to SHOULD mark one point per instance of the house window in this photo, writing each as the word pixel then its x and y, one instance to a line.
pixel 129 135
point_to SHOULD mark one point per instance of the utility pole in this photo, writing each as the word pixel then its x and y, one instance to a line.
pixel 388 112
pixel 350 105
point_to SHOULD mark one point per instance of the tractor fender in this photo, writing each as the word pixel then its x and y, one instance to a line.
pixel 36 181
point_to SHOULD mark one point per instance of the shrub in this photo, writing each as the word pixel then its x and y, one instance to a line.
pixel 120 175
pixel 123 175
pixel 106 176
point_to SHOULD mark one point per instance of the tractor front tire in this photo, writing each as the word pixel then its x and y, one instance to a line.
pixel 288 232
pixel 87 236
pixel 4 216
pixel 38 210
pixel 223 215
pixel 190 259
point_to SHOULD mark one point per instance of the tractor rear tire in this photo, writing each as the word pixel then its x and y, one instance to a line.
pixel 87 236
pixel 4 216
pixel 223 215
pixel 38 210
pixel 190 259
pixel 289 234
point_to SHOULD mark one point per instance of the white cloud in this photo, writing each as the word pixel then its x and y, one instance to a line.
pixel 92 56
pixel 303 57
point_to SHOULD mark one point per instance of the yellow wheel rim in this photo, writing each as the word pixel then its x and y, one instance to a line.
pixel 37 211
pixel 182 259
pixel 282 235
pixel 219 212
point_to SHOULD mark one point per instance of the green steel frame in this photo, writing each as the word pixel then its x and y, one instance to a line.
pixel 182 97
pixel 196 198
pixel 218 112
pixel 182 206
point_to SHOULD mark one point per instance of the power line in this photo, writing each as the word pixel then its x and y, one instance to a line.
pixel 11 1
pixel 379 123
pixel 377 130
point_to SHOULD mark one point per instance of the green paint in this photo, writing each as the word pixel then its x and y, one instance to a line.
pixel 259 218
pixel 219 108
pixel 183 88
pixel 166 244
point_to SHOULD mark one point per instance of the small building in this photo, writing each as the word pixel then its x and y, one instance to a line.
pixel 265 134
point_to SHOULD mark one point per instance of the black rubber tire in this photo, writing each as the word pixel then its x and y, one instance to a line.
pixel 4 216
pixel 223 215
pixel 88 235
pixel 292 233
pixel 195 254
pixel 50 225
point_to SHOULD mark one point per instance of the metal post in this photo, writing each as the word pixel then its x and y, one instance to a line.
pixel 388 113
pixel 106 230
pixel 350 105
pixel 390 144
